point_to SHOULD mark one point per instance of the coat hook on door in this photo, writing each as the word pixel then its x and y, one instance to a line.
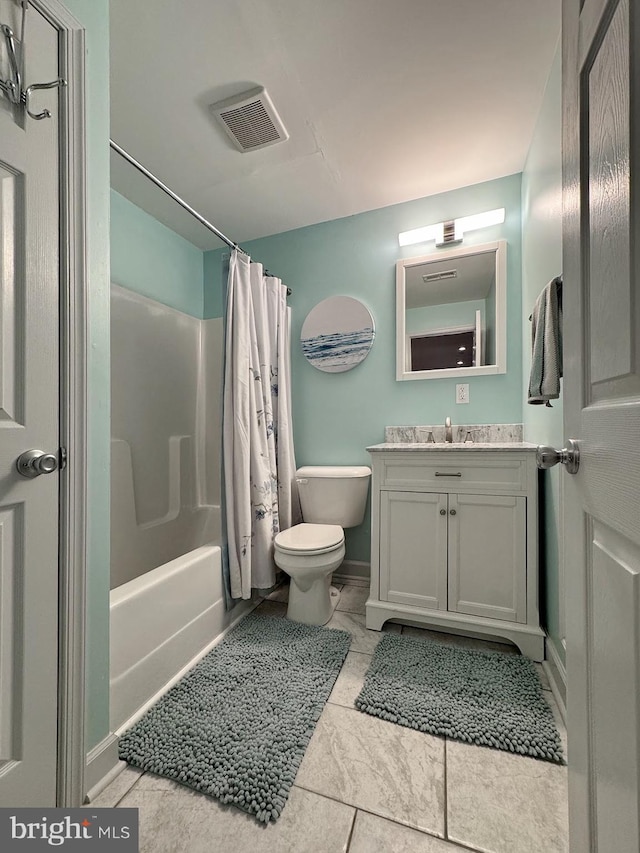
pixel 12 88
pixel 26 95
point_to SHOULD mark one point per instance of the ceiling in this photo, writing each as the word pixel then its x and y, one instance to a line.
pixel 383 102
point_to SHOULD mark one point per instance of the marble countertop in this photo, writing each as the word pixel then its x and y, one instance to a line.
pixel 430 447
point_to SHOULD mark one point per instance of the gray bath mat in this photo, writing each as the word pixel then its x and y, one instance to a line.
pixel 236 726
pixel 487 698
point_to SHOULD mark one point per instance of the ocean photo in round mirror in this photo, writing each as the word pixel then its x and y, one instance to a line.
pixel 337 334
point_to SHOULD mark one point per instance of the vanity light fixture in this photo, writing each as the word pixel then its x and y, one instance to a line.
pixel 453 231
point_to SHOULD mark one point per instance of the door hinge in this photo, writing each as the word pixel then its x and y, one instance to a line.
pixel 62 458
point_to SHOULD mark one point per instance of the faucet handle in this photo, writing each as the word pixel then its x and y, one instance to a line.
pixel 430 437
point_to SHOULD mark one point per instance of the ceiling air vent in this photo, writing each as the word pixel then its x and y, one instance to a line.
pixel 250 120
pixel 439 276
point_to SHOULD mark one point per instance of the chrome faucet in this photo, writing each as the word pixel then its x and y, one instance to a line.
pixel 448 436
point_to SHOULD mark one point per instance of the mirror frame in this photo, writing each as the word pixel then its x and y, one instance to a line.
pixel 500 366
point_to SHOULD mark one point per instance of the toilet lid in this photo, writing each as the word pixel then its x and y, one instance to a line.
pixel 310 537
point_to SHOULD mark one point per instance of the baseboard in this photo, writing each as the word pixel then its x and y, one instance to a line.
pixel 556 672
pixel 103 765
pixel 355 572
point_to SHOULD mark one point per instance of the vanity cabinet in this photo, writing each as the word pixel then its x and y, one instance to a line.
pixel 454 542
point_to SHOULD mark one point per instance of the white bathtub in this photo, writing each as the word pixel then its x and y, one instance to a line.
pixel 161 623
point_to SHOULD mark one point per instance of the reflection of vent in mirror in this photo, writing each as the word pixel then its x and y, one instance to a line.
pixel 250 120
pixel 440 276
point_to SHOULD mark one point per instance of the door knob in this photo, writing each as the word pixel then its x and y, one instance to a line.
pixel 569 456
pixel 32 463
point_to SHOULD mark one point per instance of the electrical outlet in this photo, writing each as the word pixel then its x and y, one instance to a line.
pixel 462 393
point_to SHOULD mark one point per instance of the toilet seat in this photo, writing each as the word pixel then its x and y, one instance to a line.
pixel 309 539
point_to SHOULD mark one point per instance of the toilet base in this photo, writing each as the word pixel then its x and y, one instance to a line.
pixel 334 594
pixel 315 605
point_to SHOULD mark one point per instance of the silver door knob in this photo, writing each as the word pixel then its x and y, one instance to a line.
pixel 32 463
pixel 569 456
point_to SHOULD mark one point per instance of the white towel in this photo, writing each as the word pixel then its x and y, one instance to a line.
pixel 546 342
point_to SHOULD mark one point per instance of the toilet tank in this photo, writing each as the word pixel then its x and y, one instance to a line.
pixel 333 494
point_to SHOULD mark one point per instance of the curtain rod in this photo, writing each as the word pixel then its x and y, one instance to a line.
pixel 208 225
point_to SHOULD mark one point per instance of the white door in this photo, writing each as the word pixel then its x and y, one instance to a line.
pixel 601 110
pixel 29 365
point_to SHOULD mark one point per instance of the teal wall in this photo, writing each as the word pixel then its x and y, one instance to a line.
pixel 336 416
pixel 94 16
pixel 213 306
pixel 542 261
pixel 153 260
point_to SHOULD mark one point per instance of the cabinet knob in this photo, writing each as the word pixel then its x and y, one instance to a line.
pixel 452 512
pixel 443 512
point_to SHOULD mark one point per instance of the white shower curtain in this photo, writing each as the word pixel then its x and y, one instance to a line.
pixel 259 464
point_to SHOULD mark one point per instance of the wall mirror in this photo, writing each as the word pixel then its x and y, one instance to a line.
pixel 451 313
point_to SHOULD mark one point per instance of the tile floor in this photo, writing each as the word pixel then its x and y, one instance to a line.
pixel 368 786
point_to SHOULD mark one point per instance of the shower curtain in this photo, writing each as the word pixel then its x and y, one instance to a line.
pixel 259 465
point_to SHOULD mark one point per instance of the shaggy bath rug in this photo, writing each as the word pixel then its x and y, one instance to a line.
pixel 236 726
pixel 487 698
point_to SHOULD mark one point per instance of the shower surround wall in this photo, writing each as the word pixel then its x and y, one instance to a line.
pixel 165 422
pixel 167 605
pixel 167 600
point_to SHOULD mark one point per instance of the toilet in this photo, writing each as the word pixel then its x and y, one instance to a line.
pixel 332 498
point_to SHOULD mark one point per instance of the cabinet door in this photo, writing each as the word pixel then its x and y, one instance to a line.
pixel 413 549
pixel 487 556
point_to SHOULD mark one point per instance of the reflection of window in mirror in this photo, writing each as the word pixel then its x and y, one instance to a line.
pixel 451 312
